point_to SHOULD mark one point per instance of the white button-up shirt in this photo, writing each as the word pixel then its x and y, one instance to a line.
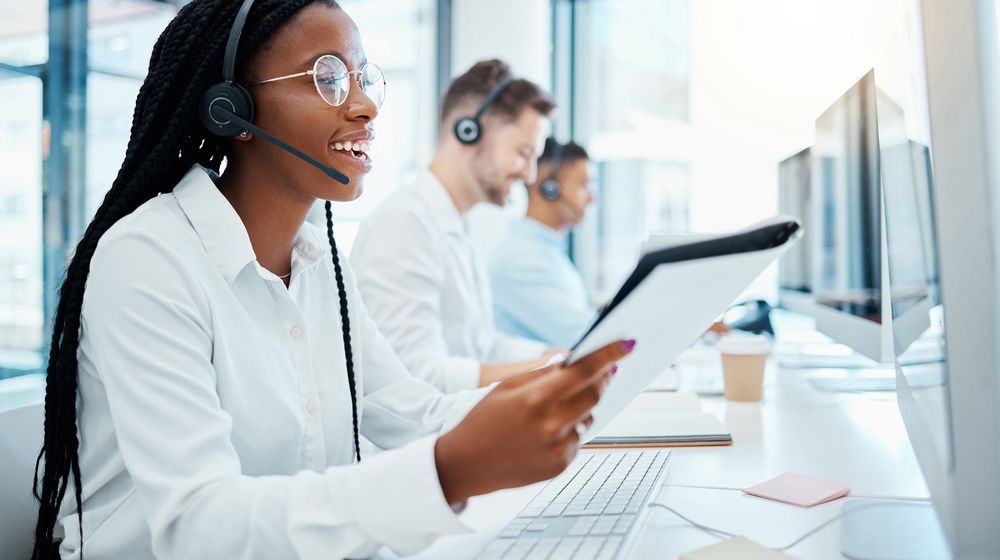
pixel 427 288
pixel 214 409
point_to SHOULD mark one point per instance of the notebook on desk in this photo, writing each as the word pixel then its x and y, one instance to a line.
pixel 662 429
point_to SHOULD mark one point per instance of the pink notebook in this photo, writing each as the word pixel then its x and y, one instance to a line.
pixel 799 490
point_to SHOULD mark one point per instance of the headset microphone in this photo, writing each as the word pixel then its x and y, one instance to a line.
pixel 219 111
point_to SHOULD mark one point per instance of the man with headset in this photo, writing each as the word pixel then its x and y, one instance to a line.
pixel 419 273
pixel 537 292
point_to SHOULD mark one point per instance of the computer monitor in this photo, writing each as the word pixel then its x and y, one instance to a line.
pixel 795 199
pixel 909 219
pixel 950 104
pixel 847 240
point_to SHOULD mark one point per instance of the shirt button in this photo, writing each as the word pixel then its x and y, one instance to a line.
pixel 296 332
pixel 311 407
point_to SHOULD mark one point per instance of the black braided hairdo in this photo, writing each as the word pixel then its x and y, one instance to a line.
pixel 166 140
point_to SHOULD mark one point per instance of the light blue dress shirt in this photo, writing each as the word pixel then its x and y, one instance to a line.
pixel 537 292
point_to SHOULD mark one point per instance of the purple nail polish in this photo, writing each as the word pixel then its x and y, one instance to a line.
pixel 614 370
pixel 629 345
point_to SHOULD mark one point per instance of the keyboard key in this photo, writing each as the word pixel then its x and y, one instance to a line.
pixel 582 526
pixel 589 549
pixel 566 548
pixel 555 510
pixel 611 547
pixel 543 548
pixel 531 512
pixel 496 548
pixel 634 505
pixel 521 549
pixel 624 524
pixel 537 526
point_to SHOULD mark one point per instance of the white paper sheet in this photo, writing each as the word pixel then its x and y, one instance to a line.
pixel 665 314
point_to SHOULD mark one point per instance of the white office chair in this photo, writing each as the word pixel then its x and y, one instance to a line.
pixel 20 441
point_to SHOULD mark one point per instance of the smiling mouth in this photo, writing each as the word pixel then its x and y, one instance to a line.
pixel 358 150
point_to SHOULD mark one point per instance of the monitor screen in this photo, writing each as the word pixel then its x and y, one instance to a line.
pixel 845 178
pixel 917 310
pixel 795 199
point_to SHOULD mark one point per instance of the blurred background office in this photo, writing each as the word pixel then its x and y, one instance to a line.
pixel 686 106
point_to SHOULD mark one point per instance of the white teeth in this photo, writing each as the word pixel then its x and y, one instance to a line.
pixel 358 149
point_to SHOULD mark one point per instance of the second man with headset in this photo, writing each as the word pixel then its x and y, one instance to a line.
pixel 537 291
pixel 418 271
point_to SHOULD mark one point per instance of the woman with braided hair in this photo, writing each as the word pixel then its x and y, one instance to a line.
pixel 212 366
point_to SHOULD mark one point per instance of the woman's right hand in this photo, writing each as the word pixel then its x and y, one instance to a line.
pixel 524 430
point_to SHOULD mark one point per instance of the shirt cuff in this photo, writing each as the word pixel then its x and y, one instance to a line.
pixel 461 374
pixel 398 494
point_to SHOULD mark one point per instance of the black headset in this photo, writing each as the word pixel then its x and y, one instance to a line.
pixel 227 107
pixel 550 188
pixel 469 130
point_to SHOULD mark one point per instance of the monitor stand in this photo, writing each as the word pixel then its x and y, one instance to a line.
pixel 890 530
pixel 854 380
pixel 873 379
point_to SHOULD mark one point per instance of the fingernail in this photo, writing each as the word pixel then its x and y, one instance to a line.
pixel 614 370
pixel 629 345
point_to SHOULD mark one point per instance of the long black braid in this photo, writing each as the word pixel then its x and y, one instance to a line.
pixel 166 140
pixel 345 326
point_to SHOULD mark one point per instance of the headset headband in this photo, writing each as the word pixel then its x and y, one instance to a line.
pixel 556 160
pixel 492 96
pixel 229 66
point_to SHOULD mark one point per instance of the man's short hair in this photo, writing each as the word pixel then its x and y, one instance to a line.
pixel 571 152
pixel 477 82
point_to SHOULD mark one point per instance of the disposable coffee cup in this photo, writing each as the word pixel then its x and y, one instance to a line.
pixel 743 361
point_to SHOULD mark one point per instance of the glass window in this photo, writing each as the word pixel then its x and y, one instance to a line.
pixel 399 35
pixel 120 40
pixel 22 142
pixel 24 48
pixel 24 33
pixel 630 90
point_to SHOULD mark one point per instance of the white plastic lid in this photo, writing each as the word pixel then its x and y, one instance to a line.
pixel 744 344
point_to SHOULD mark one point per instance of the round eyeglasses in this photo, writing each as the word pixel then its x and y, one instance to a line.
pixel 333 80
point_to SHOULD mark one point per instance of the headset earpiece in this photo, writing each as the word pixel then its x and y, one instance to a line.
pixel 232 97
pixel 467 130
pixel 227 94
pixel 550 189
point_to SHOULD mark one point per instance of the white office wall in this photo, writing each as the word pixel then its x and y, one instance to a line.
pixel 520 33
pixel 761 72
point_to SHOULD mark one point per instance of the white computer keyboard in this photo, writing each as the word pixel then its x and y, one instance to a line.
pixel 587 512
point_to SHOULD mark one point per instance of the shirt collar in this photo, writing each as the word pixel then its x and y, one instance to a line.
pixel 443 210
pixel 541 232
pixel 221 230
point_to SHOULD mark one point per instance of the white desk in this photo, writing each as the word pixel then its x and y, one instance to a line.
pixel 854 438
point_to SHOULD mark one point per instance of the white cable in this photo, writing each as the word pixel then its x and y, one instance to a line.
pixel 714 532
